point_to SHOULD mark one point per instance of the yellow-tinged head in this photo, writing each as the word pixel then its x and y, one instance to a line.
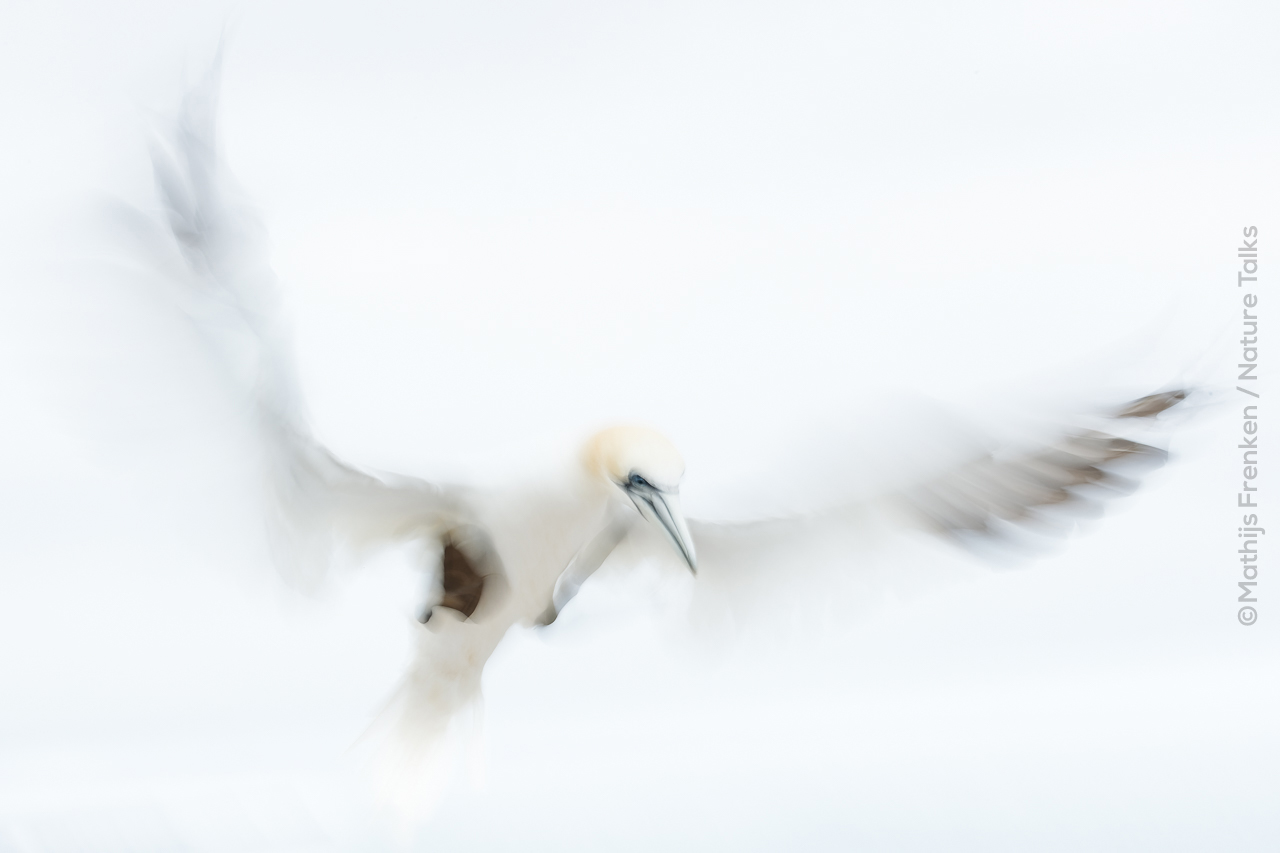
pixel 648 469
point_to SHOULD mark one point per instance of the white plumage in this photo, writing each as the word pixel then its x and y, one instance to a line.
pixel 506 558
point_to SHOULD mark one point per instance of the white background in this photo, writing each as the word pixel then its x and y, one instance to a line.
pixel 499 225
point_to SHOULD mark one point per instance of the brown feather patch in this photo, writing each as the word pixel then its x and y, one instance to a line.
pixel 463 585
pixel 1153 404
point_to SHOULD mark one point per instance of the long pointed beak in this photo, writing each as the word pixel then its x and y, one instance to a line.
pixel 663 509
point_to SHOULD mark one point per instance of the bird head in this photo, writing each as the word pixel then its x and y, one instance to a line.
pixel 647 468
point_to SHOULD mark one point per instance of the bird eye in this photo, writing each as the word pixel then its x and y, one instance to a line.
pixel 637 480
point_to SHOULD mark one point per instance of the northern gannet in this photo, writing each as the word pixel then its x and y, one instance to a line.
pixel 517 558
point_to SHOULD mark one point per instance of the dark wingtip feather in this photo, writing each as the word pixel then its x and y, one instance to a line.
pixel 1153 404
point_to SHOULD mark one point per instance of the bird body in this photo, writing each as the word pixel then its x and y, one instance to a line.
pixel 497 558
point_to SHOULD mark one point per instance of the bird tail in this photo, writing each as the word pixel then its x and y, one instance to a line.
pixel 432 726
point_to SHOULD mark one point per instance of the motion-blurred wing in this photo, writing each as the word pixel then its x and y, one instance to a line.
pixel 994 495
pixel 227 287
pixel 809 563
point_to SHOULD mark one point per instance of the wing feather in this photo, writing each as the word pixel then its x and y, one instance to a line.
pixel 318 502
pixel 1010 497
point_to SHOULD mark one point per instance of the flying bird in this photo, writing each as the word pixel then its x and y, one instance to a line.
pixel 498 559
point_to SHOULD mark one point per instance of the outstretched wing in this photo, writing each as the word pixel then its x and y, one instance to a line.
pixel 1008 498
pixel 1002 494
pixel 319 503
